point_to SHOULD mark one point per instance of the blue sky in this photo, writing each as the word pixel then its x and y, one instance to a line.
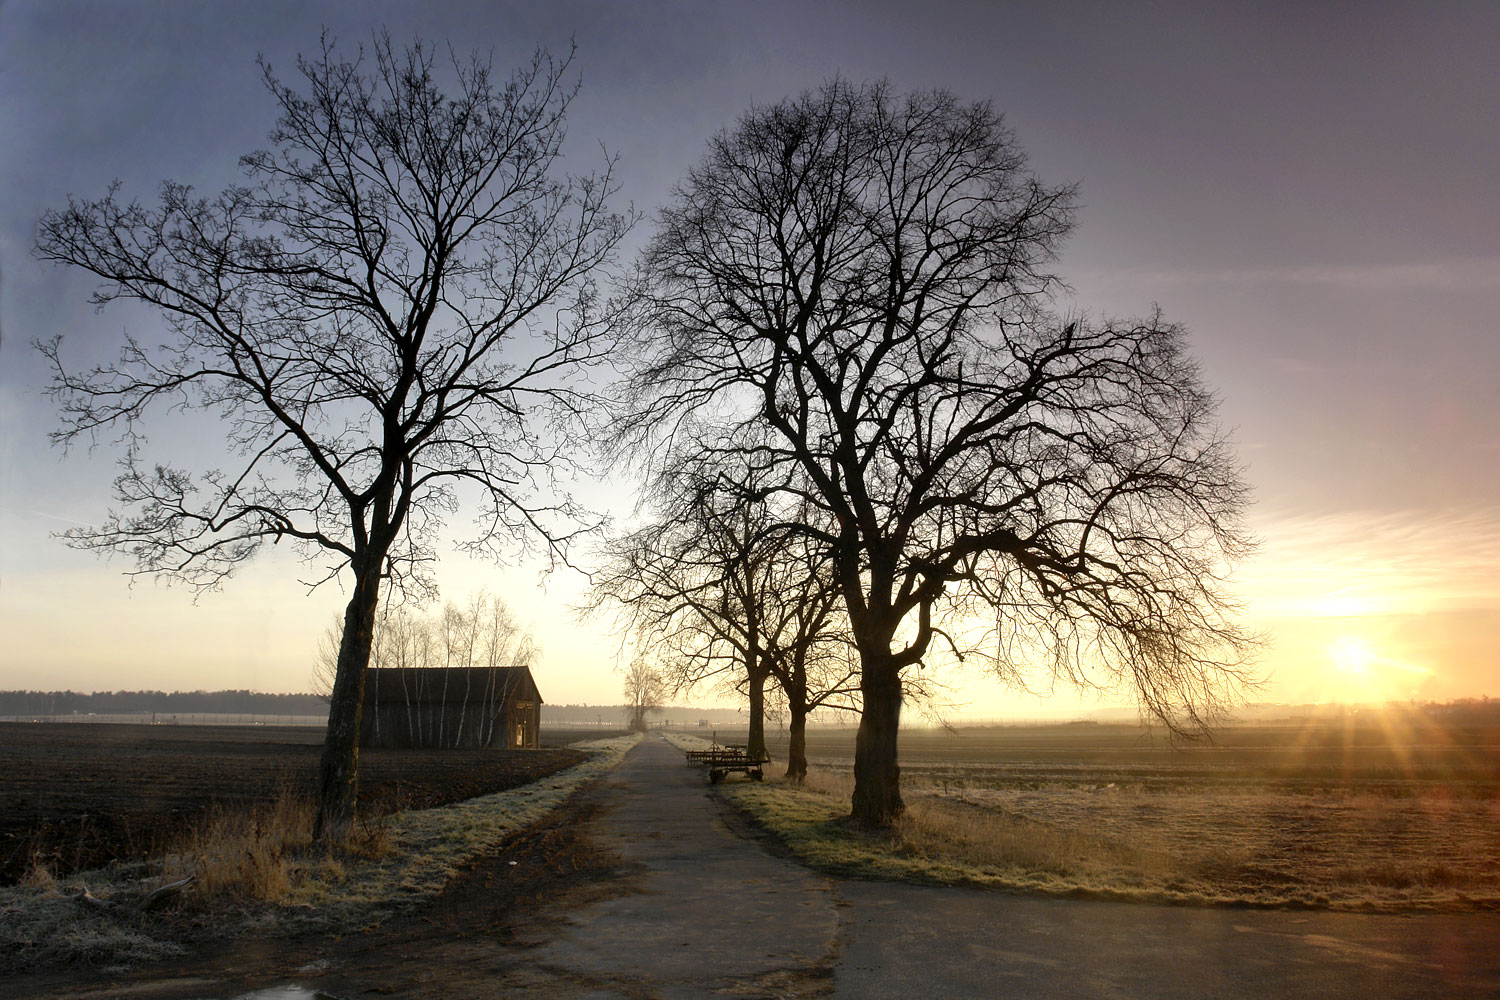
pixel 1308 188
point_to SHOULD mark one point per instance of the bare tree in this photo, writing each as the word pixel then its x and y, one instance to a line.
pixel 484 633
pixel 807 643
pixel 389 319
pixel 717 587
pixel 326 660
pixel 645 691
pixel 687 589
pixel 397 638
pixel 501 639
pixel 851 292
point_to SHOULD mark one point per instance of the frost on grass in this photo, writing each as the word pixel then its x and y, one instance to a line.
pixel 684 741
pixel 1197 848
pixel 429 846
pixel 41 925
pixel 44 925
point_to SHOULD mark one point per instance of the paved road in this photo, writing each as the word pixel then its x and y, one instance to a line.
pixel 717 915
pixel 714 914
pixel 904 941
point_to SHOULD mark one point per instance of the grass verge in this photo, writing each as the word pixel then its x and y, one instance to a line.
pixel 255 874
pixel 945 840
pixel 686 741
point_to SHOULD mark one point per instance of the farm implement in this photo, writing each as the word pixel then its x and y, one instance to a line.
pixel 720 759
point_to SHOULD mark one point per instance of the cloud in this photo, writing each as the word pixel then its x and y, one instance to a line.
pixel 1360 563
pixel 1455 274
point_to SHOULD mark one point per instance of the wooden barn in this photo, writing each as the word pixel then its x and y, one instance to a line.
pixel 408 707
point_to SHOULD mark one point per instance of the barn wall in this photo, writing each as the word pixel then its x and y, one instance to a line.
pixel 403 727
pixel 411 709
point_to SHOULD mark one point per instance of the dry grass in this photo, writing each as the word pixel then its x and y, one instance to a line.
pixel 998 841
pixel 1322 849
pixel 257 872
pixel 39 878
pixel 935 828
pixel 244 854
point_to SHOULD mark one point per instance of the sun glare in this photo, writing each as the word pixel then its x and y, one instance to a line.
pixel 1352 656
pixel 1360 671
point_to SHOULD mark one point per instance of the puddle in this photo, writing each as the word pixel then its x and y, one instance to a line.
pixel 286 993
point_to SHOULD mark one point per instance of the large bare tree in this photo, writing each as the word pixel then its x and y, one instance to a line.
pixel 388 320
pixel 852 291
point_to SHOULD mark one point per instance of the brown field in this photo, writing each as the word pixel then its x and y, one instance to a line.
pixel 77 796
pixel 1385 810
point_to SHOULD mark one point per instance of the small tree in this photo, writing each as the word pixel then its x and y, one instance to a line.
pixel 387 320
pixel 808 648
pixel 483 633
pixel 718 587
pixel 688 590
pixel 851 291
pixel 645 691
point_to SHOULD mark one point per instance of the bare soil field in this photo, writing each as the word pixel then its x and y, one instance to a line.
pixel 1395 755
pixel 1388 811
pixel 77 796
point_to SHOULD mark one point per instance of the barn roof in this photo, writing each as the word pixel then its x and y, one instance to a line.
pixel 448 685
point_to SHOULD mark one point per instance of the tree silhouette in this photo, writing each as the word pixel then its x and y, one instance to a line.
pixel 808 649
pixel 691 587
pixel 645 690
pixel 388 320
pixel 850 292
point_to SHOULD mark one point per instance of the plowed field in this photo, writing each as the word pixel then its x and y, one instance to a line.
pixel 77 795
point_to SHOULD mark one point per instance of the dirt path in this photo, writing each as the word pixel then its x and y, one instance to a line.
pixel 643 889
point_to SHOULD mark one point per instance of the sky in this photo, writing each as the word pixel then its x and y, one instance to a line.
pixel 1308 188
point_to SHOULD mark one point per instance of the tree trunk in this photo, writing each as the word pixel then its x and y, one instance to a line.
pixel 796 749
pixel 755 743
pixel 877 778
pixel 338 769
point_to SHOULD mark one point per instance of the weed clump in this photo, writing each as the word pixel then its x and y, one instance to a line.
pixel 243 854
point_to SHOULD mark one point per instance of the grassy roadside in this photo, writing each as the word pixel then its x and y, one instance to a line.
pixel 946 841
pixel 254 877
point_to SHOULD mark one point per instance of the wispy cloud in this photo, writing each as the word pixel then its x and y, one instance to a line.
pixel 51 517
pixel 1374 563
pixel 1447 275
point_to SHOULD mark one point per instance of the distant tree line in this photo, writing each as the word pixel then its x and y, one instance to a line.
pixel 1483 709
pixel 168 702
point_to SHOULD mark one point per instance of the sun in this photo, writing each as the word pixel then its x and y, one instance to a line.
pixel 1352 656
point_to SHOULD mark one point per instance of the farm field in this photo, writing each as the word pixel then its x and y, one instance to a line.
pixel 1389 811
pixel 79 795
